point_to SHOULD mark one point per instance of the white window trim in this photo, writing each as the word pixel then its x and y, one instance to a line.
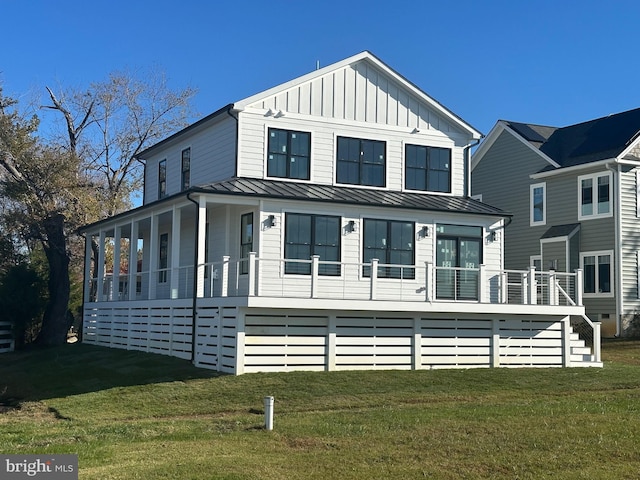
pixel 611 278
pixel 532 222
pixel 594 177
pixel 533 258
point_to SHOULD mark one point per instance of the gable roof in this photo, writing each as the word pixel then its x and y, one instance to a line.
pixel 604 138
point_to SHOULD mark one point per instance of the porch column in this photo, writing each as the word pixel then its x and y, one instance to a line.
pixel 199 267
pixel 417 343
pixel 88 280
pixel 597 343
pixel 100 267
pixel 331 344
pixel 175 253
pixel 115 285
pixel 153 257
pixel 495 343
pixel 133 260
pixel 553 288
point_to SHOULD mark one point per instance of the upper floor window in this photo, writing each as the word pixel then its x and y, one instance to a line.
pixel 288 154
pixel 246 240
pixel 597 272
pixel 308 235
pixel 361 162
pixel 538 202
pixel 595 196
pixel 162 179
pixel 186 168
pixel 392 243
pixel 163 261
pixel 427 168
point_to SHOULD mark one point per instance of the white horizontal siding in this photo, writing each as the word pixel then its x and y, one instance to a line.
pixel 254 126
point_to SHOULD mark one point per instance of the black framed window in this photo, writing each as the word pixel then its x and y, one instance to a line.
pixel 361 162
pixel 163 263
pixel 427 168
pixel 186 168
pixel 308 235
pixel 391 242
pixel 289 154
pixel 162 179
pixel 246 240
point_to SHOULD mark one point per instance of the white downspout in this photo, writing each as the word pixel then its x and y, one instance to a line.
pixel 467 155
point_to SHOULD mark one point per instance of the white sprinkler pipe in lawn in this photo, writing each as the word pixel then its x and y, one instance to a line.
pixel 268 413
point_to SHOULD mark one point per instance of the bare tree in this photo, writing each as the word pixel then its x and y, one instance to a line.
pixel 108 125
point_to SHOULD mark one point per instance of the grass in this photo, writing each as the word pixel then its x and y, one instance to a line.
pixel 130 415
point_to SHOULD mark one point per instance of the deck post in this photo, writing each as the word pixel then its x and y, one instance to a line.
pixel 100 267
pixel 224 286
pixel 252 274
pixel 597 341
pixel 579 285
pixel 495 343
pixel 331 344
pixel 553 288
pixel 566 342
pixel 504 287
pixel 174 280
pixel 428 280
pixel 133 261
pixel 315 259
pixel 115 284
pixel 533 297
pixel 417 343
pixel 525 289
pixel 374 278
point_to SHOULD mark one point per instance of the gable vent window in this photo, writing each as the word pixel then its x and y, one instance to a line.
pixel 288 154
pixel 361 162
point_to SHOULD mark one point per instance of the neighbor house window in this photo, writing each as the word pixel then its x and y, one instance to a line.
pixel 186 168
pixel 597 272
pixel 246 240
pixel 288 154
pixel 164 258
pixel 392 243
pixel 308 235
pixel 594 196
pixel 361 162
pixel 538 202
pixel 427 168
pixel 162 179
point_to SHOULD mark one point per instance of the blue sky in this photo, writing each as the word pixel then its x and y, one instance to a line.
pixel 554 62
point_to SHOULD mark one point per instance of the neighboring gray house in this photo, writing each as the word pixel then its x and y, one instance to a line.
pixel 574 195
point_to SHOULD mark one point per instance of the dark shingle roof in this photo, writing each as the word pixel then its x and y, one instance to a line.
pixel 561 230
pixel 347 195
pixel 586 142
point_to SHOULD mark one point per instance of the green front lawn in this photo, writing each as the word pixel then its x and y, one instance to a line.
pixel 130 415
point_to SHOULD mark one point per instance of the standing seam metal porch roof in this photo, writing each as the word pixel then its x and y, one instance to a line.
pixel 348 195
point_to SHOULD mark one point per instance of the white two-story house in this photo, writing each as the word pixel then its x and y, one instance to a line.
pixel 325 224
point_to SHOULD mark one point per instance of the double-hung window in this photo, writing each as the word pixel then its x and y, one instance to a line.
pixel 246 240
pixel 392 243
pixel 162 179
pixel 361 162
pixel 427 168
pixel 163 261
pixel 288 154
pixel 597 268
pixel 538 204
pixel 308 235
pixel 595 196
pixel 186 168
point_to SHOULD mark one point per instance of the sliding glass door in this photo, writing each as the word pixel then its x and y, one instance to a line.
pixel 458 257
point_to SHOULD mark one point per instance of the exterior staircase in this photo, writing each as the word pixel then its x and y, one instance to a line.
pixel 581 354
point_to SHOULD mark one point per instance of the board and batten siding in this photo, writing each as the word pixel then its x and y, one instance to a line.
pixel 502 177
pixel 213 157
pixel 358 93
pixel 253 143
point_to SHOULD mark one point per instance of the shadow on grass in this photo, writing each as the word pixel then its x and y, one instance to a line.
pixel 41 373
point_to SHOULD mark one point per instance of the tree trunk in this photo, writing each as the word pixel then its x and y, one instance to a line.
pixel 55 323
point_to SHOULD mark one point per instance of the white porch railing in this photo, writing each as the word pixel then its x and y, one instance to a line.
pixel 313 278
